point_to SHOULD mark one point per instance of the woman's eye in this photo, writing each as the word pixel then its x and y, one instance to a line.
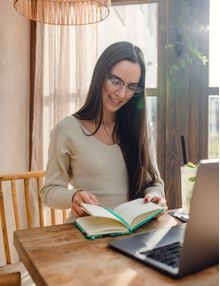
pixel 116 81
pixel 132 87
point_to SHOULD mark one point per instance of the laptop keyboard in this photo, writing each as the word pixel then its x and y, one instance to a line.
pixel 167 254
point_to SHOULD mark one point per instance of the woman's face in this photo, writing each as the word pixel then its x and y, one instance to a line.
pixel 119 85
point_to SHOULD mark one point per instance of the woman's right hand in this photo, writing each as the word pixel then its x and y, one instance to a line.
pixel 79 197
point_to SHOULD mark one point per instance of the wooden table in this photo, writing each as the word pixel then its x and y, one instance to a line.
pixel 61 255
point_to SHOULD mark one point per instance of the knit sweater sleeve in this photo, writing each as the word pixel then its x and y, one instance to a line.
pixel 56 192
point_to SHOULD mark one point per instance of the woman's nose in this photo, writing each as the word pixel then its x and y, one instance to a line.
pixel 122 92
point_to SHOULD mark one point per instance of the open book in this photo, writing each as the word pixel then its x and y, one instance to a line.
pixel 125 218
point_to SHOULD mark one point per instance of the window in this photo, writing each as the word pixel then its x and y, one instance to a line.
pixel 214 78
pixel 141 30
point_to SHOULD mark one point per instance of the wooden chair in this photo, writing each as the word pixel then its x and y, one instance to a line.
pixel 12 279
pixel 28 185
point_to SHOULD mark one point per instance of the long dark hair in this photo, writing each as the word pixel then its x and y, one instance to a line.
pixel 130 130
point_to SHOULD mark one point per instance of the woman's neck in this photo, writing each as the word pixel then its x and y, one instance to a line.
pixel 108 119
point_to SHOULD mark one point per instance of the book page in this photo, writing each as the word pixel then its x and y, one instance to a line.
pixel 136 209
pixel 98 211
pixel 99 226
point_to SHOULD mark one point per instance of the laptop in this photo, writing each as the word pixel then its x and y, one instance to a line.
pixel 188 247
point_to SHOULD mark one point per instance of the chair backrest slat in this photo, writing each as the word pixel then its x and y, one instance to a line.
pixel 30 182
pixel 64 215
pixel 53 216
pixel 15 203
pixel 40 205
pixel 27 201
pixel 4 227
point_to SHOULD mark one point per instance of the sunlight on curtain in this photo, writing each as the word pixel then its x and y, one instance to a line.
pixel 64 63
pixel 137 24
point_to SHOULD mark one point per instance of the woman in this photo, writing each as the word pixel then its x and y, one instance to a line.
pixel 104 151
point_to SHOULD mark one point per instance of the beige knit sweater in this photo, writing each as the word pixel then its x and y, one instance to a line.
pixel 77 161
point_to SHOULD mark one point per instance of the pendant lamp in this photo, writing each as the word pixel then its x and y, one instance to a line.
pixel 64 12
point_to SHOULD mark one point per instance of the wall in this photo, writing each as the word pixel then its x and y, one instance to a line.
pixel 14 89
pixel 14 95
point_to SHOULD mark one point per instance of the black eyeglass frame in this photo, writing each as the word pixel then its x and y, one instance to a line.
pixel 136 92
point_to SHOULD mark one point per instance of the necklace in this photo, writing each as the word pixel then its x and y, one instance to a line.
pixel 110 136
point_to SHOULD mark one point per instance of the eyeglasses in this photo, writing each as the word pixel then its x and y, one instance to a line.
pixel 132 89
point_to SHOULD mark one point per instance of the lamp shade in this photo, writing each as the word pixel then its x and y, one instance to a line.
pixel 64 12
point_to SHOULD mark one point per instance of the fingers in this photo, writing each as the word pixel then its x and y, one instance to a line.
pixel 157 200
pixel 77 212
pixel 93 199
pixel 82 197
pixel 148 198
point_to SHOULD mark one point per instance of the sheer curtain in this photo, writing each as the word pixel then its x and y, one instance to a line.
pixel 65 58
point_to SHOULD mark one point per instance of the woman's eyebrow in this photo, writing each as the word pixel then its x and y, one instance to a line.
pixel 122 79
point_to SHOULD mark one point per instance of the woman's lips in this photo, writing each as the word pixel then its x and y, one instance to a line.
pixel 114 100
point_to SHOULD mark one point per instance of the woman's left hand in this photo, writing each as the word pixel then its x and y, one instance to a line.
pixel 157 200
